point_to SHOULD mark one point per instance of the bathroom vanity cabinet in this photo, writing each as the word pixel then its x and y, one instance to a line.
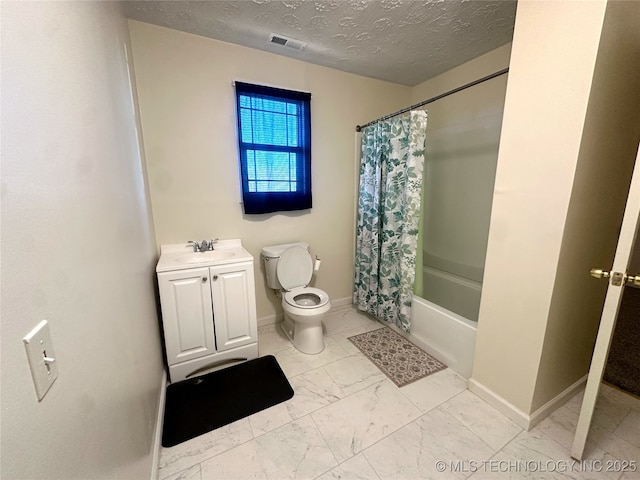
pixel 208 308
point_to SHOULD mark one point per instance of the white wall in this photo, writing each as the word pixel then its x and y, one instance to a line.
pixel 77 247
pixel 188 117
pixel 540 211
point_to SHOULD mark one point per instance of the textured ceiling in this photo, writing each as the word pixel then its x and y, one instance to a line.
pixel 400 41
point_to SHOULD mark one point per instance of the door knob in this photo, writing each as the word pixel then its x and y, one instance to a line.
pixel 204 279
pixel 617 278
pixel 215 277
pixel 634 280
pixel 599 273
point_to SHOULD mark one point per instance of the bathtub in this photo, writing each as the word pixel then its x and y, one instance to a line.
pixel 447 336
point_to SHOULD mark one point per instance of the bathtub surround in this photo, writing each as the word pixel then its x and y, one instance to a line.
pixel 458 191
pixel 77 248
pixel 391 164
pixel 463 139
pixel 399 359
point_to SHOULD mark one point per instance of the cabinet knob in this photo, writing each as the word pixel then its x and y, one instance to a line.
pixel 204 279
pixel 215 277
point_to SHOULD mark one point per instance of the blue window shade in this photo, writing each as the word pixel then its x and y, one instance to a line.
pixel 274 137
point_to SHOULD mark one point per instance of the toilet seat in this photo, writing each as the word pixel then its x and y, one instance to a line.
pixel 317 298
pixel 294 271
pixel 295 268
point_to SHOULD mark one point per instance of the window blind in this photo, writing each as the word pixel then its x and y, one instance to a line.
pixel 274 140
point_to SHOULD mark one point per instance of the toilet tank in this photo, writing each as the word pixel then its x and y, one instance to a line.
pixel 270 256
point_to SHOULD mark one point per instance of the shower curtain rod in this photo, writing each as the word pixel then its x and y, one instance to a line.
pixel 433 99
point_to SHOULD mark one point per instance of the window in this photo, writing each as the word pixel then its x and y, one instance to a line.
pixel 274 137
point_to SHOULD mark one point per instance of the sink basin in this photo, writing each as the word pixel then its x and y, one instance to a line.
pixel 209 256
pixel 180 256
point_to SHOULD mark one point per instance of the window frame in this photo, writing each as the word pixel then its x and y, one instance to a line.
pixel 267 202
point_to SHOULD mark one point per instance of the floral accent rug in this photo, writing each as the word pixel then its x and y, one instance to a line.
pixel 398 358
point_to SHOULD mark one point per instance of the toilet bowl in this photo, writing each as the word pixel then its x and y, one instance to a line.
pixel 289 268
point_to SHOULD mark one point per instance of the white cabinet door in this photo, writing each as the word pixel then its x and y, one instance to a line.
pixel 186 314
pixel 234 305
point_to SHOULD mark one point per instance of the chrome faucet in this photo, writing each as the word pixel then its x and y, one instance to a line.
pixel 204 245
pixel 196 246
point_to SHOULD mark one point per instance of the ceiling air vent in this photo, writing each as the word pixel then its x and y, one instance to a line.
pixel 286 41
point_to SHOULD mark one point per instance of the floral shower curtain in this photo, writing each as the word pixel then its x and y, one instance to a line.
pixel 391 165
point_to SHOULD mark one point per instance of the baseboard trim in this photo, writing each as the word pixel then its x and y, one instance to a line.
pixel 341 302
pixel 157 434
pixel 496 401
pixel 556 402
pixel 268 320
pixel 274 318
pixel 522 419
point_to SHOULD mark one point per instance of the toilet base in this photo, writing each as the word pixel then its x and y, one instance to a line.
pixel 307 337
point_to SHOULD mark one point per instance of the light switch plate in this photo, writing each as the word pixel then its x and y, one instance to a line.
pixel 42 358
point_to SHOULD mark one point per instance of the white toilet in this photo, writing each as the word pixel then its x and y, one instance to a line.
pixel 289 268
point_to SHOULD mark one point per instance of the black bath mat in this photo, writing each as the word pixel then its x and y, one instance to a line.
pixel 199 405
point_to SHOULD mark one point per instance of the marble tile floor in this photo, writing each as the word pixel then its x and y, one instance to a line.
pixel 348 421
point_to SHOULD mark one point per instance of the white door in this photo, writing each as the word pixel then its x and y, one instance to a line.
pixel 187 317
pixel 618 278
pixel 234 306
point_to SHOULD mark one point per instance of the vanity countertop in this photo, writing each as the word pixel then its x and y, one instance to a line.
pixel 181 256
